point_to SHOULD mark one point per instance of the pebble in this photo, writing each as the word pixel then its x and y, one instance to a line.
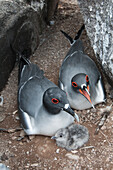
pixel 2 117
pixel 9 142
pixel 88 111
pixel 55 159
pixel 71 156
pixel 20 138
pixel 31 137
pixel 4 157
pixel 14 137
pixel 15 112
pixel 74 151
pixel 20 143
pixel 22 133
pixel 34 165
pixel 112 118
pixel 27 152
pixel 57 151
pixel 17 118
pixel 103 127
pixel 51 22
pixel 93 110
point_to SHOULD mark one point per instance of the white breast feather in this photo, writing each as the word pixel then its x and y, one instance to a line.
pixel 100 93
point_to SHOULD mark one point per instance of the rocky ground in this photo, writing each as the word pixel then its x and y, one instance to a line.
pixel 20 152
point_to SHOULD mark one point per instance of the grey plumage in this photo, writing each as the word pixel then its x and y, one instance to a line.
pixel 43 107
pixel 72 137
pixel 80 78
pixel 3 167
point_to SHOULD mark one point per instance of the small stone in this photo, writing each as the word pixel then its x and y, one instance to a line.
pixel 55 159
pixel 20 138
pixel 93 110
pixel 103 127
pixel 9 142
pixel 107 159
pixel 57 151
pixel 21 143
pixel 88 111
pixel 4 157
pixel 26 166
pixel 14 137
pixel 15 112
pixel 17 118
pixel 74 151
pixel 31 137
pixel 71 156
pixel 22 133
pixel 34 165
pixel 2 117
pixel 27 152
pixel 51 22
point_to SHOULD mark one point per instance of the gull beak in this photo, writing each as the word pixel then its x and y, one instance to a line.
pixel 53 137
pixel 86 94
pixel 68 109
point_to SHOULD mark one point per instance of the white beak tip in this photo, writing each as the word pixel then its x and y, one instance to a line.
pixel 76 117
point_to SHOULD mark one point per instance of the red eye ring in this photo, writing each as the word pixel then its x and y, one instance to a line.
pixel 87 78
pixel 55 101
pixel 74 84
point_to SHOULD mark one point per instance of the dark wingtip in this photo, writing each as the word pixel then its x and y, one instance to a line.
pixel 67 36
pixel 22 61
pixel 25 60
pixel 83 26
pixel 62 31
pixel 79 32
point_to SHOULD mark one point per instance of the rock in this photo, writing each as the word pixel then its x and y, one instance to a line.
pixel 19 31
pixel 19 28
pixel 97 17
pixel 40 6
pixel 51 9
pixel 21 23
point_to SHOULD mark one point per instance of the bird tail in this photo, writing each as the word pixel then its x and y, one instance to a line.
pixel 71 40
pixel 67 36
pixel 27 69
pixel 79 32
pixel 23 60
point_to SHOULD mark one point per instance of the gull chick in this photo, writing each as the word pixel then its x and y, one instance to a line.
pixel 72 137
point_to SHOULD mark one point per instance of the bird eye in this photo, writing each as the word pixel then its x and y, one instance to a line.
pixel 74 84
pixel 87 78
pixel 60 135
pixel 55 101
